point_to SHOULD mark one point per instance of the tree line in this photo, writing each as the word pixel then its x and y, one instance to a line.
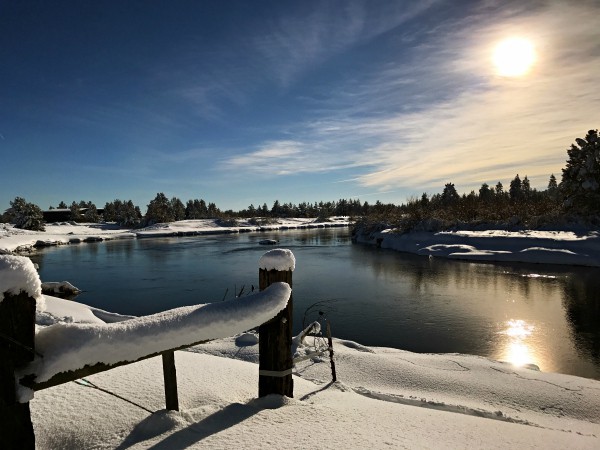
pixel 578 193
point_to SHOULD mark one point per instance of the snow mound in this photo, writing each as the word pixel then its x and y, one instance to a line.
pixel 18 274
pixel 279 259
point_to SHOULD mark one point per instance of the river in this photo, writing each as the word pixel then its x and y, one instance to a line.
pixel 520 313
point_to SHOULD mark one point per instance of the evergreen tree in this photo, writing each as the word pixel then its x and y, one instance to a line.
pixel 552 191
pixel 62 205
pixel 485 193
pixel 449 195
pixel 128 215
pixel 91 214
pixel 25 215
pixel 515 191
pixel 499 189
pixel 159 210
pixel 526 187
pixel 75 213
pixel 178 209
pixel 581 176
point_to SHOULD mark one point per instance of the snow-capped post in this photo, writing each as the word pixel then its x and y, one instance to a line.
pixel 19 288
pixel 275 336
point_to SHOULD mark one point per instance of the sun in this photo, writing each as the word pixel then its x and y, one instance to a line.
pixel 514 57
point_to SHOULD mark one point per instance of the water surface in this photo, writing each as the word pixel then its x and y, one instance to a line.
pixel 522 313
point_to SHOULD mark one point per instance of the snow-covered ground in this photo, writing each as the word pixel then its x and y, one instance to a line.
pixel 546 247
pixel 385 398
pixel 17 240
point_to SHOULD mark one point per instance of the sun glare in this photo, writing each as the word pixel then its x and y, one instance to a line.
pixel 514 57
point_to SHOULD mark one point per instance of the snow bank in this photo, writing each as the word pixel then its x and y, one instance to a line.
pixel 18 274
pixel 17 240
pixel 71 346
pixel 546 247
pixel 279 259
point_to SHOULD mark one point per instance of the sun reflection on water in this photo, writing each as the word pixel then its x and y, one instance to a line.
pixel 516 349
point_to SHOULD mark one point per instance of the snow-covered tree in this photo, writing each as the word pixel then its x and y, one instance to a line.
pixel 25 215
pixel 75 213
pixel 91 213
pixel 581 177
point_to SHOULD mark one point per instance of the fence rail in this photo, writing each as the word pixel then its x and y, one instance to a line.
pixel 17 350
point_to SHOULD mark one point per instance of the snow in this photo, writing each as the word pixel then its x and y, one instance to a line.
pixel 279 259
pixel 60 287
pixel 70 346
pixel 385 398
pixel 545 247
pixel 62 233
pixel 18 274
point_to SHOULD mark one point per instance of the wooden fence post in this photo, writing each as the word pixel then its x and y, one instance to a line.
pixel 275 342
pixel 170 377
pixel 17 348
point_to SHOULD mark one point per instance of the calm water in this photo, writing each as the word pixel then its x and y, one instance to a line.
pixel 545 315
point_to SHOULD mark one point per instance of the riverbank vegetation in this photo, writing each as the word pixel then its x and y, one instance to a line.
pixel 576 199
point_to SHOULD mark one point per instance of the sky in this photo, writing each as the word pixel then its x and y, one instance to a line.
pixel 244 102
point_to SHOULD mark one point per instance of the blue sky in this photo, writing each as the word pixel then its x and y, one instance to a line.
pixel 244 102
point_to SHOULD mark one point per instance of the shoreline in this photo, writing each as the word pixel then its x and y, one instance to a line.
pixel 526 246
pixel 18 242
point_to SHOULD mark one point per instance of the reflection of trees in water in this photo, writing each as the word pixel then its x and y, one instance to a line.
pixel 582 305
pixel 425 274
pixel 121 247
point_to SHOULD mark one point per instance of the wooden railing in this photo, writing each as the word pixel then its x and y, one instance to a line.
pixel 17 350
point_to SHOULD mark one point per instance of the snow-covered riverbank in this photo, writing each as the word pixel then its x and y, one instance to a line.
pixel 14 240
pixel 544 247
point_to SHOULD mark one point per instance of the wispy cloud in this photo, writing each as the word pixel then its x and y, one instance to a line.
pixel 295 42
pixel 443 114
pixel 283 157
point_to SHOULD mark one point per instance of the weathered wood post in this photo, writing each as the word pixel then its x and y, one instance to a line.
pixel 170 377
pixel 17 348
pixel 275 336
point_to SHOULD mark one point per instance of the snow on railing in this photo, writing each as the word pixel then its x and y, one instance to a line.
pixel 65 352
pixel 69 347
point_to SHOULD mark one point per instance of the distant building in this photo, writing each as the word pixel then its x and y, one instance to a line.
pixel 64 215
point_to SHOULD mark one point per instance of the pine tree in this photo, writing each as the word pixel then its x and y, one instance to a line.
pixel 91 214
pixel 526 187
pixel 177 209
pixel 485 193
pixel 159 210
pixel 449 195
pixel 499 189
pixel 515 191
pixel 25 215
pixel 552 191
pixel 581 177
